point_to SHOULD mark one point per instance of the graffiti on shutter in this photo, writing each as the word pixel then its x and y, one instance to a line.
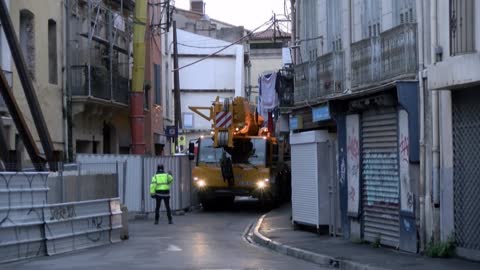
pixel 380 174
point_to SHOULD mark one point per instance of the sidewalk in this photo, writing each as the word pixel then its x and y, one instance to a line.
pixel 275 231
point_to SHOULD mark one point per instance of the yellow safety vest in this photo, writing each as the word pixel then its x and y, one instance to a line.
pixel 160 181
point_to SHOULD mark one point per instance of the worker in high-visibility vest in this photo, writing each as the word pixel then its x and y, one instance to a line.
pixel 160 190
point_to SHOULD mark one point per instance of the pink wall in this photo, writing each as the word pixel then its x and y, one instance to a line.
pixel 153 117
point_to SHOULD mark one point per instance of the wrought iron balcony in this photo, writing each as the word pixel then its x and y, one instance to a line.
pixel 366 66
pixel 399 51
pixel 317 79
pixel 102 84
pixel 286 88
pixel 330 74
pixel 301 90
pixel 390 56
pixel 9 77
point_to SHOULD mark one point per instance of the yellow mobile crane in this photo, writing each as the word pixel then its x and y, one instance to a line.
pixel 240 158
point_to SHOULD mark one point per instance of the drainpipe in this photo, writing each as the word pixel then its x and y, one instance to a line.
pixel 421 67
pixel 435 127
pixel 294 30
pixel 348 49
pixel 67 100
pixel 137 115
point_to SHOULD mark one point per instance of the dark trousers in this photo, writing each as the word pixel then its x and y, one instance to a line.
pixel 166 200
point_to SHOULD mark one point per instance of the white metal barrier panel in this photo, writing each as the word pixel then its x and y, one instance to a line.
pixel 135 173
pixel 30 227
pixel 79 225
pixel 22 198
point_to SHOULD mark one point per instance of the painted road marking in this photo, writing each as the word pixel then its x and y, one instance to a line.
pixel 173 248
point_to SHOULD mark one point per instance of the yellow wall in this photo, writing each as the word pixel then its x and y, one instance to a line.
pixel 49 96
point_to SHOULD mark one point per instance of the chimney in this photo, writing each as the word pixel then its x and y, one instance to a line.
pixel 197 6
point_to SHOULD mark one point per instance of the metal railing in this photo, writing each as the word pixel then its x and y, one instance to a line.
pixel 330 76
pixel 399 51
pixel 301 82
pixel 100 84
pixel 392 54
pixel 9 77
pixel 366 64
pixel 320 78
pixel 285 87
pixel 99 51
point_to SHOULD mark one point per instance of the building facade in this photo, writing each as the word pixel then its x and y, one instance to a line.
pixel 99 65
pixel 39 30
pixel 266 55
pixel 200 84
pixel 356 77
pixel 396 82
pixel 154 129
pixel 449 63
pixel 221 75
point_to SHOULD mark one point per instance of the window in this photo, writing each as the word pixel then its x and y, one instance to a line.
pixel 404 11
pixel 308 19
pixel 52 52
pixel 334 25
pixel 372 16
pixel 27 40
pixel 187 120
pixel 249 151
pixel 158 86
pixel 462 31
pixel 246 151
pixel 207 153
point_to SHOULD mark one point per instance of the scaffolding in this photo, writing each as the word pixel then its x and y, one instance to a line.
pixel 100 36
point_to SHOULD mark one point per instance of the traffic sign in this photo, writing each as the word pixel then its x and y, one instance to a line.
pixel 171 131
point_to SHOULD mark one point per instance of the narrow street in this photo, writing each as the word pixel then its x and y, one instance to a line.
pixel 361 116
pixel 198 240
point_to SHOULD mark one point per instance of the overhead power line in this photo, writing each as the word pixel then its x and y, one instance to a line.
pixel 226 47
pixel 213 47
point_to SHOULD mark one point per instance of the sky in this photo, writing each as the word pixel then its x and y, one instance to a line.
pixel 247 13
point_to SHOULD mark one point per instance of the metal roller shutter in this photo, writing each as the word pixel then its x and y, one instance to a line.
pixel 380 174
pixel 305 183
pixel 466 172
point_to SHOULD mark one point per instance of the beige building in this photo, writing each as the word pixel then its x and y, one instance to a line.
pixel 99 74
pixel 265 56
pixel 38 25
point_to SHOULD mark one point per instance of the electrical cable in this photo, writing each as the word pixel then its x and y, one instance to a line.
pixel 214 47
pixel 224 48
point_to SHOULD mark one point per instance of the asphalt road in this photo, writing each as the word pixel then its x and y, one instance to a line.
pixel 197 240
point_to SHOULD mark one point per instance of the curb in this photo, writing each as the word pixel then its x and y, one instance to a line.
pixel 320 259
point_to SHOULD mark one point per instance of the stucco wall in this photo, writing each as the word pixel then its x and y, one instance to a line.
pixel 49 95
pixel 452 71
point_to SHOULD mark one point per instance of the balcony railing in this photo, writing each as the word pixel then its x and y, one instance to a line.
pixel 331 79
pixel 9 77
pixel 286 88
pixel 399 51
pixel 99 53
pixel 366 64
pixel 317 79
pixel 391 55
pixel 301 91
pixel 100 85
